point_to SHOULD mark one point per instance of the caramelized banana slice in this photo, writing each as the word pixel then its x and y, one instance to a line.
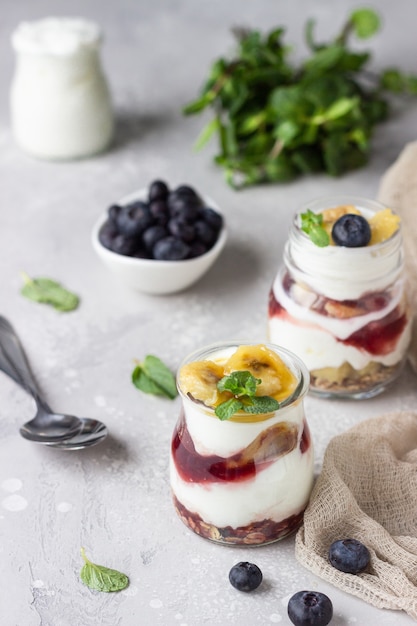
pixel 330 216
pixel 199 379
pixel 277 380
pixel 383 225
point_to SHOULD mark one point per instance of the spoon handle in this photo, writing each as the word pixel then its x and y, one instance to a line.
pixel 14 363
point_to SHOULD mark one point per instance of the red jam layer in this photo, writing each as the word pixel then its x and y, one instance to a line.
pixel 256 533
pixel 378 337
pixel 271 444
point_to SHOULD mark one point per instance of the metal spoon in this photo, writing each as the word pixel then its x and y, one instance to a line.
pixel 48 427
pixel 91 433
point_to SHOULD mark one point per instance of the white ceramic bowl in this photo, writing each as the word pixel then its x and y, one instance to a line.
pixel 152 276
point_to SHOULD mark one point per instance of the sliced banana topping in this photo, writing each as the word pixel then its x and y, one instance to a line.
pixel 199 379
pixel 277 380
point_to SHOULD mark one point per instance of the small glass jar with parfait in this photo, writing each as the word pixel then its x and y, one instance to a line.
pixel 339 300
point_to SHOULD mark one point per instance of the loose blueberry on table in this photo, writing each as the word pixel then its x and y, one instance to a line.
pixel 310 608
pixel 349 556
pixel 171 225
pixel 245 576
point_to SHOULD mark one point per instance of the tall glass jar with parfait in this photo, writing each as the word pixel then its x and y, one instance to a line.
pixel 242 459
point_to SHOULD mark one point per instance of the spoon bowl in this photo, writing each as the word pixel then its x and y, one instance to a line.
pixel 47 427
pixel 91 433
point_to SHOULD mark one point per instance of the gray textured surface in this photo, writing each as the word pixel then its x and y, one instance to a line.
pixel 114 499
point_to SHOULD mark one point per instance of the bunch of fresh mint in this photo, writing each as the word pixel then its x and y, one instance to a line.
pixel 276 121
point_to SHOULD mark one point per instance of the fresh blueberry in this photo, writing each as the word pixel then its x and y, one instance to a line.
pixel 245 576
pixel 186 190
pixel 159 211
pixel 351 231
pixel 134 218
pixel 205 233
pixel 107 233
pixel 158 190
pixel 349 556
pixel 142 253
pixel 310 608
pixel 197 248
pixel 153 234
pixel 185 207
pixel 113 212
pixel 125 245
pixel 170 249
pixel 181 229
pixel 213 219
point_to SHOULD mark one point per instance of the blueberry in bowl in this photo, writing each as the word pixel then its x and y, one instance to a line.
pixel 160 240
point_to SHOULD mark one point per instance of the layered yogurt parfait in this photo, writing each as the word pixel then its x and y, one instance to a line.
pixel 339 300
pixel 241 462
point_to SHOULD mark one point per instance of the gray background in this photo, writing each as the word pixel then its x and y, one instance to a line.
pixel 114 499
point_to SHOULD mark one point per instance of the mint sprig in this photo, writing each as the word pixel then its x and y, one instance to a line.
pixel 154 377
pixel 312 225
pixel 102 578
pixel 242 384
pixel 48 291
pixel 275 118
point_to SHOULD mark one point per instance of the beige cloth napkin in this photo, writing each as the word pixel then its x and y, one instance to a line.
pixel 367 490
pixel 398 190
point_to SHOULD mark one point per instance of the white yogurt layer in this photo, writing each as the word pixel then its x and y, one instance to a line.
pixel 318 348
pixel 275 493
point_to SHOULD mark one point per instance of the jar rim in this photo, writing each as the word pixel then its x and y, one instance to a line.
pixel 291 360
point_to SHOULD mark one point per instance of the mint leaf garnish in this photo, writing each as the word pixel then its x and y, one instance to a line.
pixel 312 225
pixel 102 578
pixel 239 383
pixel 225 410
pixel 242 384
pixel 261 404
pixel 153 376
pixel 48 291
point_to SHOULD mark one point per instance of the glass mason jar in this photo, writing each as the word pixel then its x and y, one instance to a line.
pixel 59 100
pixel 343 310
pixel 246 480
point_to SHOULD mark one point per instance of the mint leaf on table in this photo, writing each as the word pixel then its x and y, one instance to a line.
pixel 154 377
pixel 311 224
pixel 48 291
pixel 102 578
pixel 242 384
pixel 275 119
